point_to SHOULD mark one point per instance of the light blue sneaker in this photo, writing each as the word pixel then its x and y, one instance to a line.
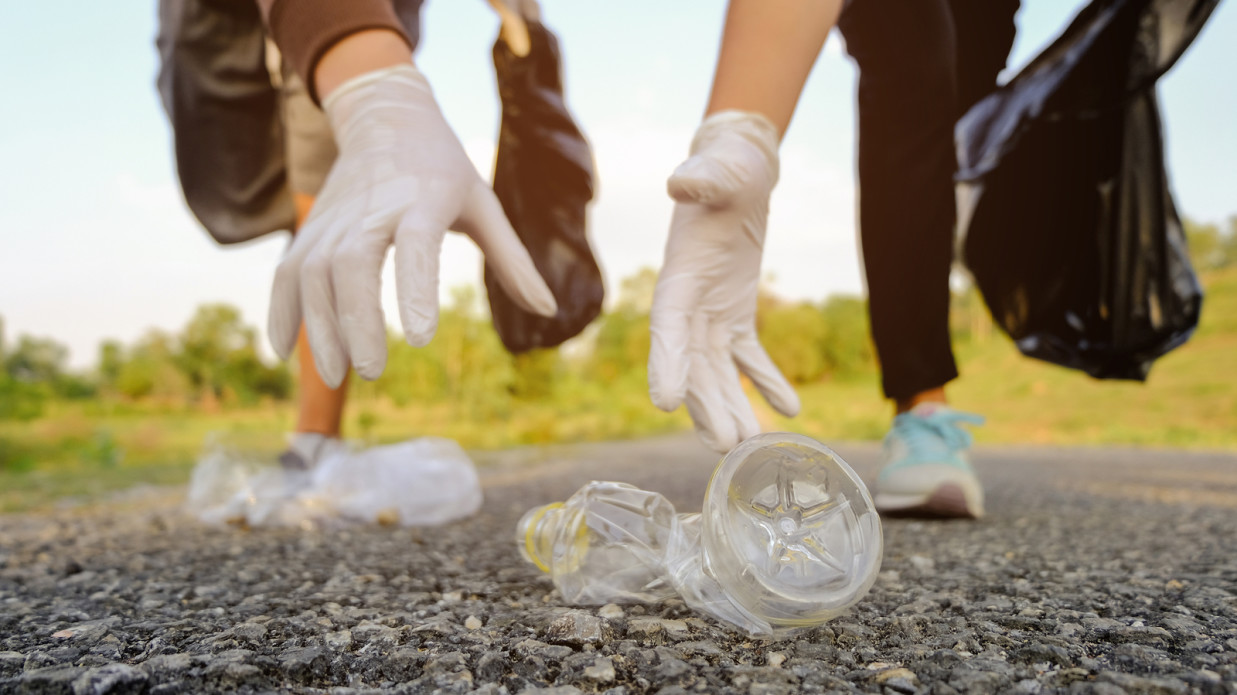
pixel 926 471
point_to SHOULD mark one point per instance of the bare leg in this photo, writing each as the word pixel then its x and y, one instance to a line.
pixel 934 395
pixel 321 408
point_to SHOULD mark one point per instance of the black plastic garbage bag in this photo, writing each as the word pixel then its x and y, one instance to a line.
pixel 1065 215
pixel 543 175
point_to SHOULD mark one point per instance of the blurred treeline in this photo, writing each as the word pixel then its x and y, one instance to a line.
pixel 213 362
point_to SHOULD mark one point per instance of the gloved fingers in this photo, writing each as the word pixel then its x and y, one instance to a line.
pixel 318 305
pixel 715 427
pixel 483 219
pixel 705 398
pixel 418 248
pixel 283 322
pixel 675 299
pixel 722 364
pixel 356 275
pixel 705 180
pixel 769 380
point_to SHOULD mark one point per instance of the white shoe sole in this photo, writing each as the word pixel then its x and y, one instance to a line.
pixel 950 500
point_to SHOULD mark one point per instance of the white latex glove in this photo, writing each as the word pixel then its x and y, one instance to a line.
pixel 401 178
pixel 703 320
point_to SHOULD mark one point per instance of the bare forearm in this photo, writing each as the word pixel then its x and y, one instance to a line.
pixel 356 36
pixel 359 53
pixel 768 49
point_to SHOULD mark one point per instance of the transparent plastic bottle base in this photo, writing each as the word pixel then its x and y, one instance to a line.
pixel 787 539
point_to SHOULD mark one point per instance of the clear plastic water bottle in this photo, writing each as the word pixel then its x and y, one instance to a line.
pixel 606 544
pixel 788 538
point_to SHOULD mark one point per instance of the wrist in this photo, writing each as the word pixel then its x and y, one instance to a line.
pixel 358 54
pixel 754 127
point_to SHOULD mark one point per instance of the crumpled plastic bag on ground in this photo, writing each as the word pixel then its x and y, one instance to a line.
pixel 420 482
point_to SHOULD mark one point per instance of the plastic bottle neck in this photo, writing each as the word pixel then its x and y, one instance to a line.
pixel 537 530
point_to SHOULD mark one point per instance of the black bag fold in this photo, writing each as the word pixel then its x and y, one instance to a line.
pixel 1066 218
pixel 543 176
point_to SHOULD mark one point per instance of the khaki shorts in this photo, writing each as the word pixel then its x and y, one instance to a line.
pixel 308 141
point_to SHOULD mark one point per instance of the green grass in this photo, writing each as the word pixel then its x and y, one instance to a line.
pixel 84 450
pixel 1189 400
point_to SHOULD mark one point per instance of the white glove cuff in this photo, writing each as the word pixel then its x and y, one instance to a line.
pixel 751 126
pixel 399 83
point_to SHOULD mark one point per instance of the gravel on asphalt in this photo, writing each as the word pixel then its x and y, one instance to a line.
pixel 1096 572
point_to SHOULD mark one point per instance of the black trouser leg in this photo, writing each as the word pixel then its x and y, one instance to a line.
pixel 909 85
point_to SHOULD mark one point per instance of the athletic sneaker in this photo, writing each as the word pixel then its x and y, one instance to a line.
pixel 307 449
pixel 926 471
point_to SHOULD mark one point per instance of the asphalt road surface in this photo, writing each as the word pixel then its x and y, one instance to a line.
pixel 1096 571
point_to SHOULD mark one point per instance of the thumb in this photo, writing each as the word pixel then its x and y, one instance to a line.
pixel 705 180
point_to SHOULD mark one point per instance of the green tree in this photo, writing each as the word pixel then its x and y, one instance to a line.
pixel 1210 248
pixel 218 354
pixel 621 346
pixel 848 345
pixel 151 370
pixel 36 360
pixel 111 363
pixel 795 336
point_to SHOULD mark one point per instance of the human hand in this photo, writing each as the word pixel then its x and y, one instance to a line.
pixel 402 178
pixel 703 320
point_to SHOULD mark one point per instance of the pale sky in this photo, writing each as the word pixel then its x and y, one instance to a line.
pixel 95 240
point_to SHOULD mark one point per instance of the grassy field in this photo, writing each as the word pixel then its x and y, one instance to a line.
pixel 1189 400
pixel 82 450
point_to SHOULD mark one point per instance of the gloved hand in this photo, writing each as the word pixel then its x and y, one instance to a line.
pixel 401 178
pixel 703 320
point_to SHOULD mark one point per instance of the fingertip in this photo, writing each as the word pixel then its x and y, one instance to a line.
pixel 542 301
pixel 788 404
pixel 418 332
pixel 687 185
pixel 371 368
pixel 665 400
pixel 331 374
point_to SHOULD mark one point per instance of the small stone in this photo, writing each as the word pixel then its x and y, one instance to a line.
pixel 531 647
pixel 578 628
pixel 304 663
pixel 453 596
pixel 472 623
pixel 249 632
pixel 112 679
pixel 11 662
pixel 339 640
pixel 610 611
pixel 601 671
pixel 50 679
pixel 1173 585
pixel 894 673
pixel 775 659
pixel 491 666
pixel 656 630
pixel 922 563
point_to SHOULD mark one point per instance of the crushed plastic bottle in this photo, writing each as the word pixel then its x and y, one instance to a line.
pixel 788 538
pixel 420 482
